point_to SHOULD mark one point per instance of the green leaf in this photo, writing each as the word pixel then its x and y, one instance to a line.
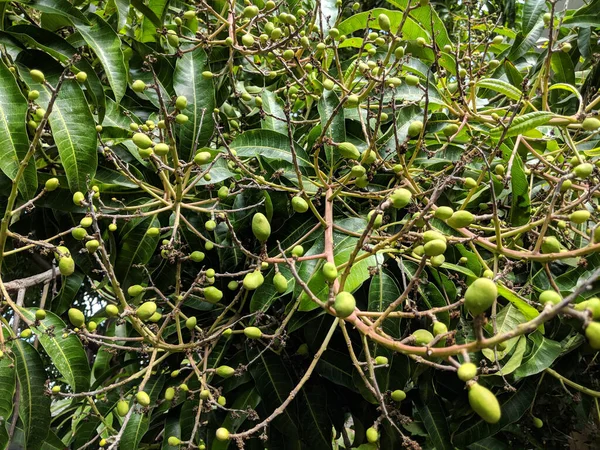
pixel 500 86
pixel 329 14
pixel 172 428
pixel 200 94
pixel 7 388
pixel 543 354
pixel 520 211
pixel 274 383
pixel 73 128
pixel 336 130
pixel 533 11
pixel 60 7
pixel 528 311
pixel 13 133
pixel 410 31
pixel 515 359
pixel 106 44
pixel 433 417
pixel 563 69
pixel 507 319
pixel 151 17
pixel 135 430
pixel 268 145
pixel 383 291
pixel 314 420
pixel 523 43
pixel 66 353
pixel 271 105
pixel 34 404
pixel 512 410
pixel 524 123
pixel 429 17
pixel 136 247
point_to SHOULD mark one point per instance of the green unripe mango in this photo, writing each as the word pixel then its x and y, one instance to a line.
pixel 583 171
pixel 299 205
pixel 435 247
pixel 580 216
pixel 135 290
pixel 190 323
pixel 328 84
pixel 51 184
pixel 26 334
pixel 399 52
pixel 210 225
pixel 330 271
pixel 181 119
pixel 537 422
pixel 197 256
pixel 470 183
pixel 66 266
pixel 253 332
pixel 78 197
pixel 280 283
pixel 411 80
pixel 381 360
pixel 592 333
pixel 357 171
pixel 155 317
pixel 146 310
pixel 222 434
pixel 142 141
pixel 223 193
pixel 439 328
pixel 348 150
pixel 33 95
pixel 461 219
pixel 161 149
pixel 378 219
pixel 590 124
pixel 480 295
pixel 450 130
pixel 91 326
pixel 142 398
pixel 593 305
pixel 76 317
pixel 172 38
pixel 443 213
pixel 122 408
pixel 202 157
pixel 344 304
pixel 400 198
pixel 422 337
pixel 398 395
pixel 384 22
pixel 467 371
pixel 261 227
pixel 248 40
pixel 437 261
pixel 40 314
pixel 415 128
pixel 86 222
pixel 484 403
pixel 371 433
pixel 55 389
pixel 138 86
pixel 173 441
pixel 212 294
pixel 37 75
pixel 352 101
pixel 225 371
pixel 550 296
pixel 550 245
pixel 112 310
pixel 432 235
pixel 253 280
pixel 297 251
pixel 79 233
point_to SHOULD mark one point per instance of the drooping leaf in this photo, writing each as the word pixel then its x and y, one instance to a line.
pixel 533 10
pixel 433 417
pixel 66 352
pixel 13 133
pixel 268 145
pixel 543 353
pixel 34 404
pixel 199 92
pixel 135 430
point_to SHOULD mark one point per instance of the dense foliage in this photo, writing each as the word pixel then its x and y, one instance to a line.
pixel 299 225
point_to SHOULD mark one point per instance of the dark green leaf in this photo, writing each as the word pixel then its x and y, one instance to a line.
pixel 134 431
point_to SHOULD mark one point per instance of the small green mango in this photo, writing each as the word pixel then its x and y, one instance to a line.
pixel 253 332
pixel 415 128
pixel 222 434
pixel 592 333
pixel 593 305
pixel 443 213
pixel 372 434
pixel 344 304
pixel 550 296
pixel 76 317
pixel 484 403
pixel 400 198
pixel 261 227
pixel 467 371
pixel 66 266
pixel 550 245
pixel 435 247
pixel 122 408
pixel 135 290
pixel 212 294
pixel 225 371
pixel 142 141
pixel 384 22
pixel 190 323
pixel 480 295
pixel 112 310
pixel 398 395
pixel 590 124
pixel 422 337
pixel 280 283
pixel 253 280
pixel 142 398
pixel 348 150
pixel 146 310
pixel 330 271
pixel 461 219
pixel 299 205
